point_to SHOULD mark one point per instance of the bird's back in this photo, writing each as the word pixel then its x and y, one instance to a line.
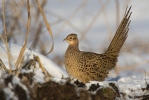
pixel 88 66
pixel 96 66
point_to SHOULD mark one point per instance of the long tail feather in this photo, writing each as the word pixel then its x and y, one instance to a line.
pixel 120 35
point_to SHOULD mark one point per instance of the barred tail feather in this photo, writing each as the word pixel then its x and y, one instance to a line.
pixel 120 35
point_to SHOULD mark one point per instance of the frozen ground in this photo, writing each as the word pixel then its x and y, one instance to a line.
pixel 131 87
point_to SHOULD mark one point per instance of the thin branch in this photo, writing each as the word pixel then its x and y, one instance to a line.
pixel 4 67
pixel 93 20
pixel 5 34
pixel 16 6
pixel 47 25
pixel 19 60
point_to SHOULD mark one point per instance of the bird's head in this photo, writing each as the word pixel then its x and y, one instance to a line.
pixel 72 39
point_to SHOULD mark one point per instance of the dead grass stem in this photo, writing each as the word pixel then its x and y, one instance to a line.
pixel 47 24
pixel 17 13
pixel 47 75
pixel 93 20
pixel 19 60
pixel 67 21
pixel 5 34
pixel 4 67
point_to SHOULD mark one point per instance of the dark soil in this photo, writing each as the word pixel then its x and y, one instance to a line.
pixel 61 91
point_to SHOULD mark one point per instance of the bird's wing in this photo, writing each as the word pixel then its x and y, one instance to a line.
pixel 94 65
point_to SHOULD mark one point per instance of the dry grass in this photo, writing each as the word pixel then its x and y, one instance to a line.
pixel 5 35
pixel 20 58
pixel 19 20
pixel 29 16
pixel 47 24
pixel 44 71
pixel 18 64
pixel 4 67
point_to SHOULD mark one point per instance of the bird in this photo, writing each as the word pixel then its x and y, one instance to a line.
pixel 89 66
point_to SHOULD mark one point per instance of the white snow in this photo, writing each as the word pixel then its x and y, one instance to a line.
pixel 131 86
pixel 129 58
pixel 49 65
pixel 16 81
pixel 10 94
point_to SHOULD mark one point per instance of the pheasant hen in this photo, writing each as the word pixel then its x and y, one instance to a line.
pixel 89 66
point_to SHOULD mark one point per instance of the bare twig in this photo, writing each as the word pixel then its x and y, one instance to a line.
pixel 5 34
pixel 145 77
pixel 45 72
pixel 117 12
pixel 67 21
pixel 29 64
pixel 4 67
pixel 15 6
pixel 47 25
pixel 93 20
pixel 19 60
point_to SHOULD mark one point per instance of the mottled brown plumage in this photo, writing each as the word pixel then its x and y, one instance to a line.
pixel 89 66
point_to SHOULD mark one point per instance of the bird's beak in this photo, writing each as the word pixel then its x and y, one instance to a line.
pixel 65 39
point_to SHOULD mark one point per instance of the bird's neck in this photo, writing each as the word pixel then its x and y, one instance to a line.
pixel 74 47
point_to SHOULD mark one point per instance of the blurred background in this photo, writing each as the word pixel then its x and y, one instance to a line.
pixel 95 22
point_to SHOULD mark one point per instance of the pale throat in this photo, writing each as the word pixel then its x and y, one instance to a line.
pixel 73 44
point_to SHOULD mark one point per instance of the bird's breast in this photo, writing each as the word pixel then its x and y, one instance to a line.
pixel 71 56
pixel 71 61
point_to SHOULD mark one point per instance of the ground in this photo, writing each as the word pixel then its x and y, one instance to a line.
pixel 53 83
